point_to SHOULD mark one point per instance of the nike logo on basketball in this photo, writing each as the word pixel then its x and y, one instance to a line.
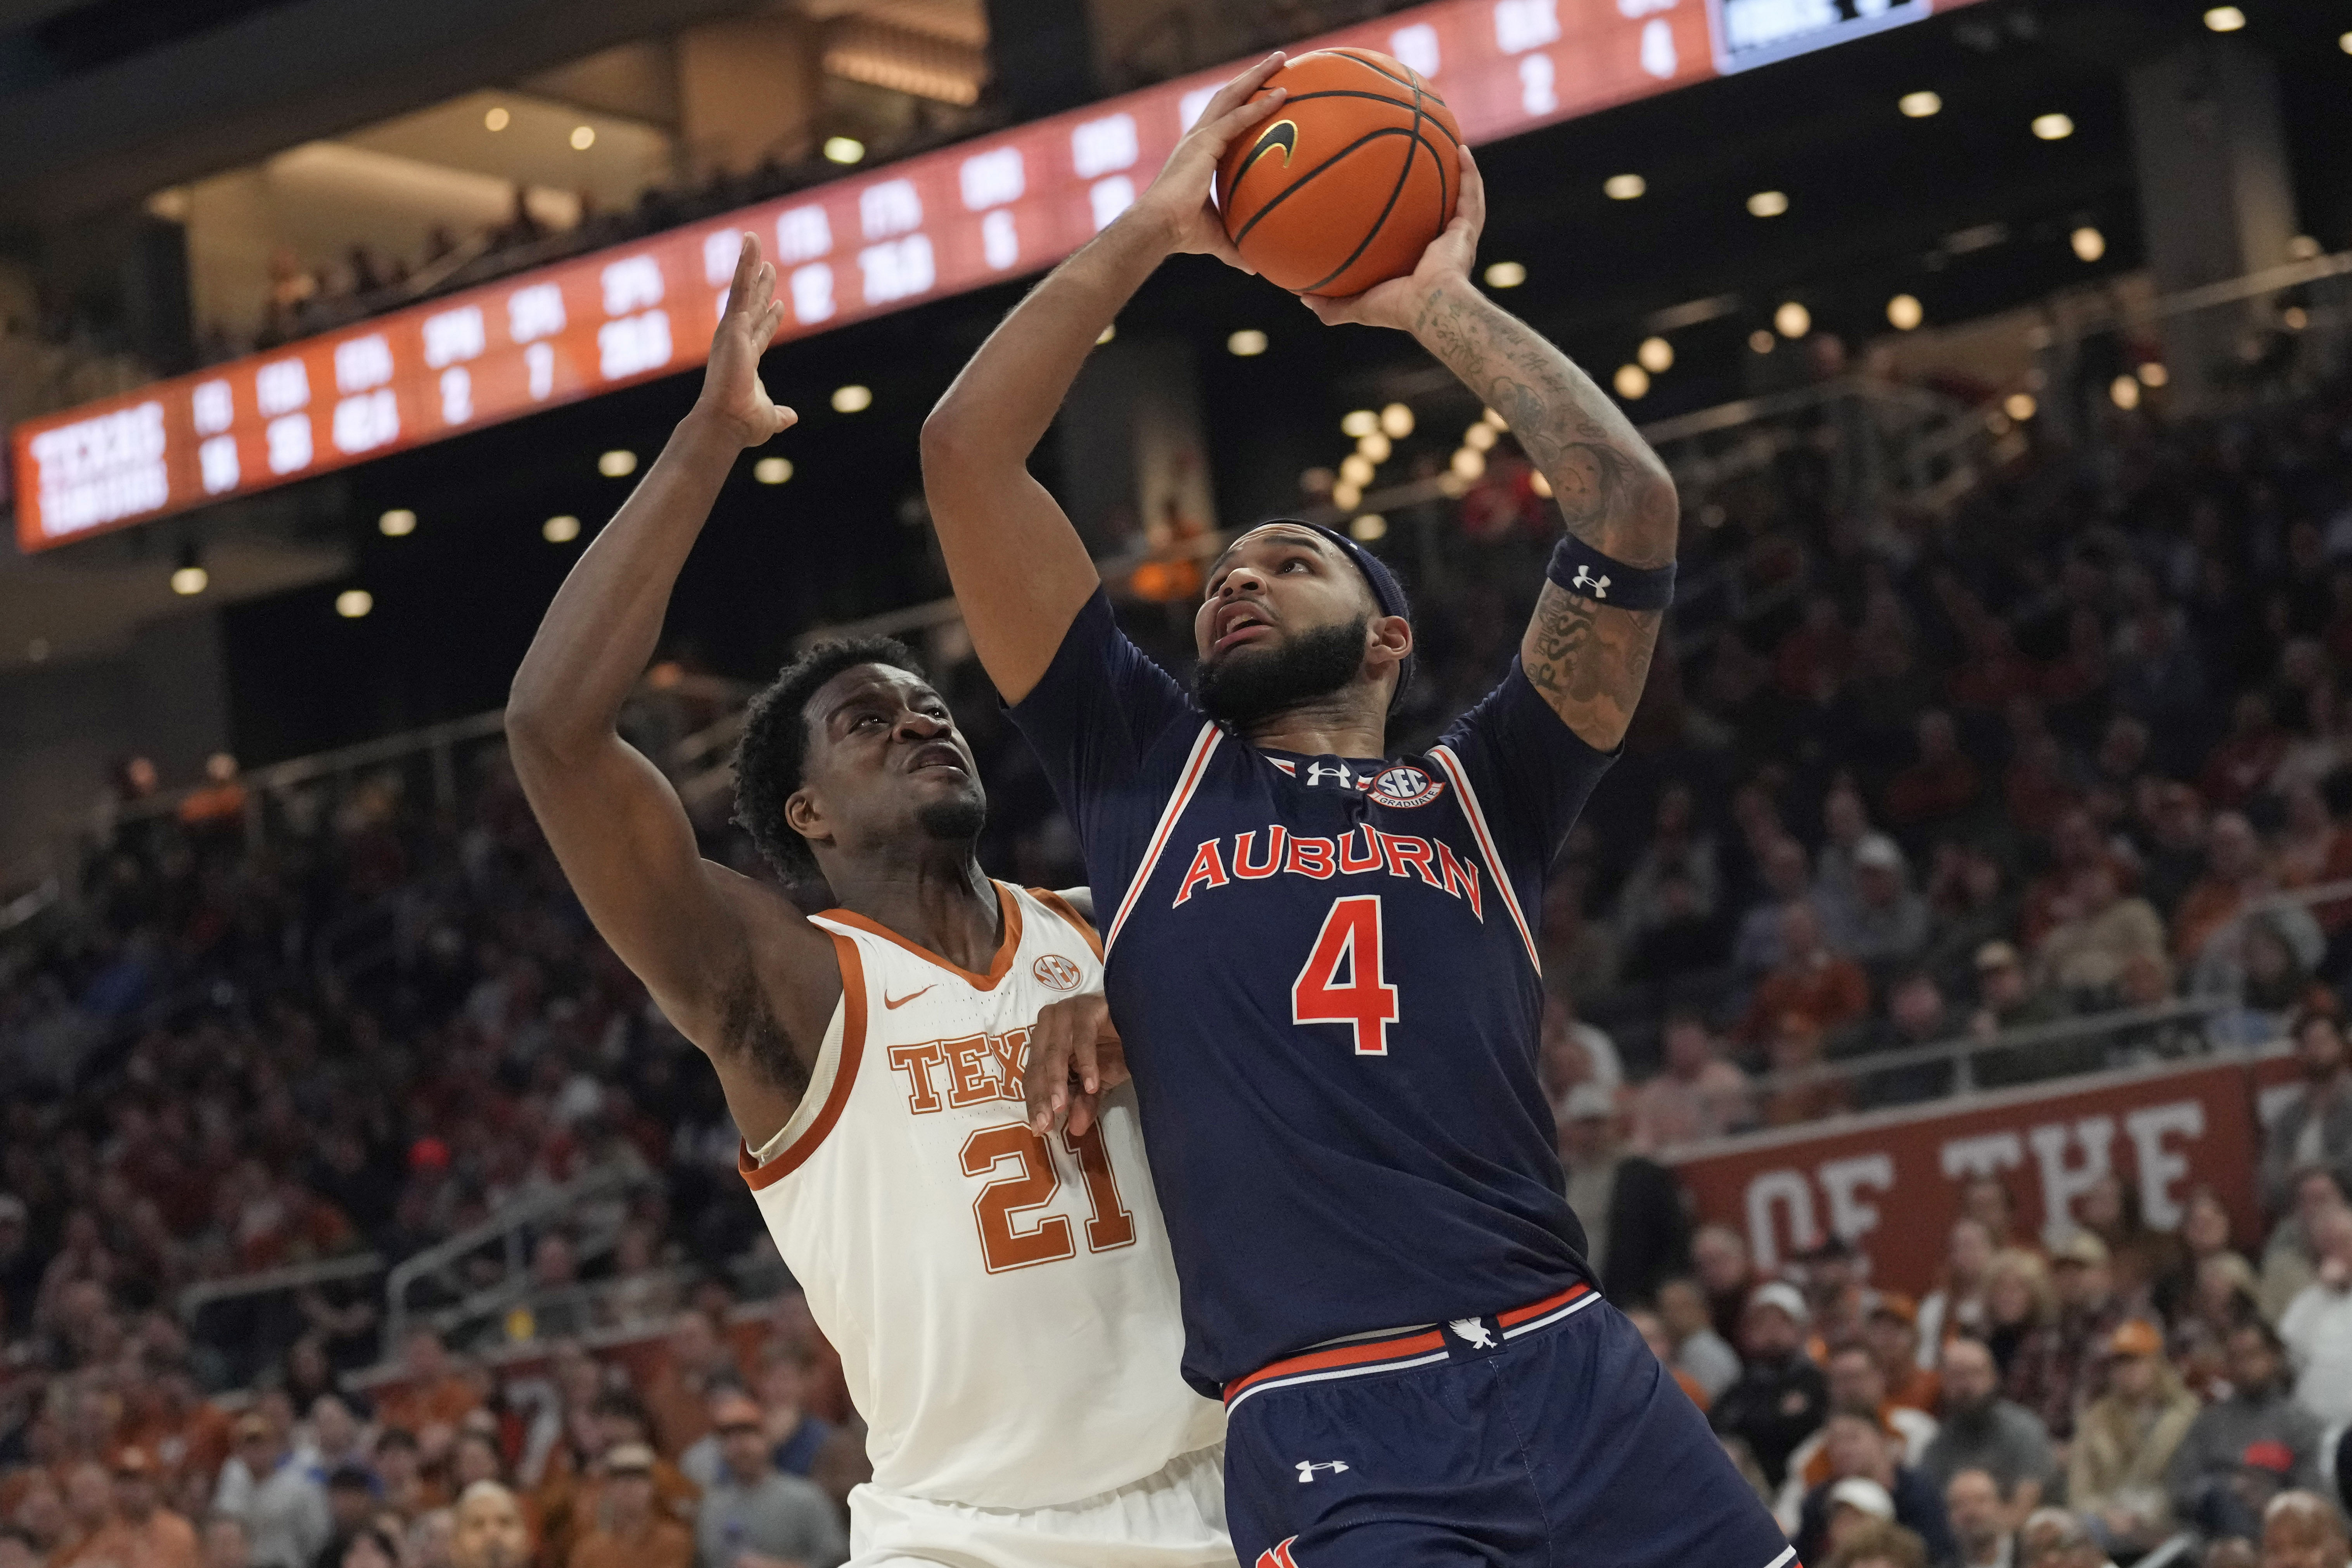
pixel 890 1000
pixel 1282 133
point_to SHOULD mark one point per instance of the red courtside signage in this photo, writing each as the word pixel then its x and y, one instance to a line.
pixel 998 207
pixel 1890 1181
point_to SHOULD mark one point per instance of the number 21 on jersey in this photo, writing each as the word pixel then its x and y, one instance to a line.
pixel 1009 1236
pixel 1364 1001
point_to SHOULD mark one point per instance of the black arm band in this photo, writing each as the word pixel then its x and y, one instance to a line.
pixel 1583 571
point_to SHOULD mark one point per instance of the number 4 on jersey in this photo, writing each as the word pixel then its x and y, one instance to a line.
pixel 1366 1001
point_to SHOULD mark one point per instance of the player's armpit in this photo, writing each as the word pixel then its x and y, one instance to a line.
pixel 1590 661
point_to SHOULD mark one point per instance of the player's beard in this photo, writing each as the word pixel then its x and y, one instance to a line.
pixel 1250 684
pixel 954 821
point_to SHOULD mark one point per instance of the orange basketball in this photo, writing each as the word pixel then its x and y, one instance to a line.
pixel 1350 180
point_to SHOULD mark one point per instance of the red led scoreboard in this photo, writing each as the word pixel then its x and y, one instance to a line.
pixel 929 226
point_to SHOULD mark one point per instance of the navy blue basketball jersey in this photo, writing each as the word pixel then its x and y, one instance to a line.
pixel 1325 971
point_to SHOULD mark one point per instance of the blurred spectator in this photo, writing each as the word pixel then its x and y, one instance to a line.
pixel 1979 1520
pixel 1956 1305
pixel 489 1530
pixel 2090 1310
pixel 795 1435
pixel 2138 1254
pixel 1809 980
pixel 1653 1329
pixel 1697 1097
pixel 1677 852
pixel 2234 877
pixel 282 1504
pixel 1871 1542
pixel 1983 1431
pixel 2126 1440
pixel 141 1533
pixel 696 1363
pixel 435 1391
pixel 753 1515
pixel 2054 1538
pixel 2240 768
pixel 224 1543
pixel 1699 1352
pixel 1967 906
pixel 1941 782
pixel 1856 1387
pixel 2291 1259
pixel 1719 1260
pixel 1880 921
pixel 2303 1530
pixel 2021 1314
pixel 1858 1449
pixel 1756 946
pixel 2205 1232
pixel 2314 1127
pixel 352 1507
pixel 1799 1090
pixel 1634 1225
pixel 1916 1015
pixel 629 1531
pixel 1574 1052
pixel 1892 1333
pixel 2099 932
pixel 2318 1324
pixel 1779 1396
pixel 2259 1424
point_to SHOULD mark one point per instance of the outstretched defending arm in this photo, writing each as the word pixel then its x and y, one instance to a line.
pixel 1021 572
pixel 683 924
pixel 1588 657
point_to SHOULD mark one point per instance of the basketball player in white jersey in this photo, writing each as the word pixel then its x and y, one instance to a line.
pixel 871 1056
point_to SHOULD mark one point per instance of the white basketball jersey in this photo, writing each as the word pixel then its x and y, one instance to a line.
pixel 1004 1303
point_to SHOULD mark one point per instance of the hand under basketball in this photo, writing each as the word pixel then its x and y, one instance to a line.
pixel 1179 198
pixel 1398 302
pixel 1075 1057
pixel 732 397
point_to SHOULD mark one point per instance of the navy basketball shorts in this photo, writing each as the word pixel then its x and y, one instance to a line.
pixel 1544 1437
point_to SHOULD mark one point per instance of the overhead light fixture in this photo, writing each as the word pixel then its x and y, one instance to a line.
pixel 1247 343
pixel 1489 417
pixel 617 464
pixel 2089 242
pixel 1505 275
pixel 2153 373
pixel 2225 19
pixel 1356 469
pixel 1920 105
pixel 1626 187
pixel 1793 321
pixel 852 399
pixel 190 578
pixel 1367 528
pixel 498 119
pixel 1655 355
pixel 397 523
pixel 1375 446
pixel 353 602
pixel 2345 43
pixel 1468 463
pixel 2295 318
pixel 1767 204
pixel 2125 392
pixel 1904 312
pixel 1480 437
pixel 2020 406
pixel 2053 127
pixel 1106 336
pixel 844 150
pixel 1396 421
pixel 582 138
pixel 1345 496
pixel 772 470
pixel 561 530
pixel 1632 383
pixel 1762 342
pixel 1358 423
pixel 1539 484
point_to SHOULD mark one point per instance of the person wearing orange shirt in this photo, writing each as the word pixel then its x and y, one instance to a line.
pixel 631 1531
pixel 1809 979
pixel 141 1533
pixel 433 1390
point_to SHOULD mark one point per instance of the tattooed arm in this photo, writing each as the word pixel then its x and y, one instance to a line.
pixel 1589 660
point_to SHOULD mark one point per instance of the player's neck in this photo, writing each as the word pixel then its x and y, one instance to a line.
pixel 1344 724
pixel 940 900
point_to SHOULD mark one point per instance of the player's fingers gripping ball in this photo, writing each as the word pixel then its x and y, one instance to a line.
pixel 1349 183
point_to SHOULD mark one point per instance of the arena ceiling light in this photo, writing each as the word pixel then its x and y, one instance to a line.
pixel 1632 383
pixel 1793 321
pixel 1396 421
pixel 1358 423
pixel 1767 204
pixel 353 602
pixel 2125 392
pixel 1625 187
pixel 1505 275
pixel 2020 406
pixel 2225 19
pixel 2089 242
pixel 1904 312
pixel 397 523
pixel 1655 355
pixel 617 464
pixel 772 470
pixel 190 578
pixel 852 399
pixel 1762 342
pixel 1539 484
pixel 2345 43
pixel 1107 334
pixel 1468 463
pixel 1345 496
pixel 582 138
pixel 1247 343
pixel 2154 374
pixel 1369 527
pixel 1489 417
pixel 1920 105
pixel 1479 437
pixel 2053 127
pixel 844 150
pixel 1374 446
pixel 498 119
pixel 560 530
pixel 1356 469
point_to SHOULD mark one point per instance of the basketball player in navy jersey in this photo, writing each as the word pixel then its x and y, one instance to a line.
pixel 1322 959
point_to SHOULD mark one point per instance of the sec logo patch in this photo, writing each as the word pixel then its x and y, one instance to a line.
pixel 1404 786
pixel 1057 972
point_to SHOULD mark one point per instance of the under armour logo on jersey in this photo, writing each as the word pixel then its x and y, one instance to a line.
pixel 1307 1468
pixel 1473 1333
pixel 1278 1556
pixel 1316 771
pixel 1597 586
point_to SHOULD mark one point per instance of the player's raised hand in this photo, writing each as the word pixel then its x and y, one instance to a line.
pixel 1075 1057
pixel 731 392
pixel 1179 198
pixel 1445 264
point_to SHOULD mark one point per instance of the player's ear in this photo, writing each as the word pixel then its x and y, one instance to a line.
pixel 805 815
pixel 1388 640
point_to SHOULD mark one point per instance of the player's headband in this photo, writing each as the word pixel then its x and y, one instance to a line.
pixel 1386 590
